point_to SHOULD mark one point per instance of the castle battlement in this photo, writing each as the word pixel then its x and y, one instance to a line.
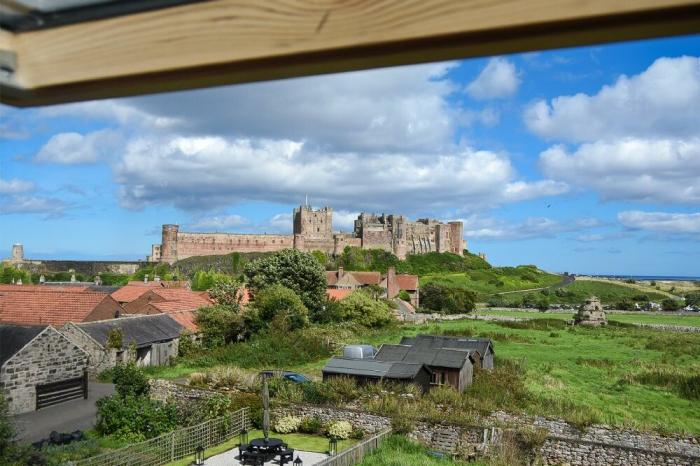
pixel 313 231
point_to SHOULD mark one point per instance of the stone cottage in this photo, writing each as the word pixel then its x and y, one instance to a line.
pixel 39 367
pixel 154 340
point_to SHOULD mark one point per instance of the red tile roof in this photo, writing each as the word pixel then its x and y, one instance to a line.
pixel 364 278
pixel 185 296
pixel 186 319
pixel 407 282
pixel 337 294
pixel 66 288
pixel 128 293
pixel 55 307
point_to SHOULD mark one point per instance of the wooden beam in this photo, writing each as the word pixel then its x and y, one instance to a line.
pixel 235 41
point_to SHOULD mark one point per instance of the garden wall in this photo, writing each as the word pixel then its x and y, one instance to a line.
pixel 564 444
pixel 164 390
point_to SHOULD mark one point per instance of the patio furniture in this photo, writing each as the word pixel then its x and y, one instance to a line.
pixel 253 458
pixel 268 448
pixel 286 455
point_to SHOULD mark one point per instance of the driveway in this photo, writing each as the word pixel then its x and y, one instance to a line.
pixel 64 417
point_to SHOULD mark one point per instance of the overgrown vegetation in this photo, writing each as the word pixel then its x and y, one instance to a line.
pixel 447 300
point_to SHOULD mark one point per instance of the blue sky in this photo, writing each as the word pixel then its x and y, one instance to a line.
pixel 584 160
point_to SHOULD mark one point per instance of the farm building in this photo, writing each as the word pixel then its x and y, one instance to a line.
pixel 372 371
pixel 454 367
pixel 483 346
pixel 39 367
pixel 155 338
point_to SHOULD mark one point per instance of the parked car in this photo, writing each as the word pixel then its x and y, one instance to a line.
pixel 292 376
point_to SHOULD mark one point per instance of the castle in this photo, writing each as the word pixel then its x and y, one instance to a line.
pixel 313 231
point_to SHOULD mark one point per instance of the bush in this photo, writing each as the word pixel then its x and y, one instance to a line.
pixel 670 305
pixel 339 430
pixel 358 433
pixel 402 425
pixel 287 425
pixel 311 425
pixel 129 380
pixel 280 301
pixel 360 308
pixel 448 300
pixel 135 417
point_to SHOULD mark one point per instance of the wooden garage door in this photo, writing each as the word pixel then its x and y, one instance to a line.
pixel 58 392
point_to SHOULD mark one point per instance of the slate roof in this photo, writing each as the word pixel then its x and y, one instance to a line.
pixel 14 337
pixel 481 345
pixel 433 357
pixel 141 330
pixel 373 368
pixel 47 305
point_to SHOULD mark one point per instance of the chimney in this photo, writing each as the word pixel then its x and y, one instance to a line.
pixel 145 278
pixel 19 281
pixel 156 279
pixel 392 286
pixel 72 278
pixel 42 279
pixel 341 271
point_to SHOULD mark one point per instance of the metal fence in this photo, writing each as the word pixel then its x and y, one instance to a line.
pixel 355 454
pixel 174 445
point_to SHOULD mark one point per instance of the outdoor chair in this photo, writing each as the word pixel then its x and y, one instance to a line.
pixel 286 455
pixel 243 447
pixel 252 458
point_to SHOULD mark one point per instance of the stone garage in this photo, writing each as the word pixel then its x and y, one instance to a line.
pixel 39 367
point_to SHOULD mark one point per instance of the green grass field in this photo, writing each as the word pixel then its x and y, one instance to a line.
pixel 622 376
pixel 399 451
pixel 635 317
pixel 486 282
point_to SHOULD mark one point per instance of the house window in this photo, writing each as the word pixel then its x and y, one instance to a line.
pixel 438 378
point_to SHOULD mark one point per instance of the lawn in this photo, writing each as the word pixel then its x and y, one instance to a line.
pixel 399 451
pixel 486 282
pixel 301 442
pixel 633 317
pixel 577 291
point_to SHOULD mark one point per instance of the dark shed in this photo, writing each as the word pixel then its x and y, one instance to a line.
pixel 453 367
pixel 372 371
pixel 484 346
pixel 141 331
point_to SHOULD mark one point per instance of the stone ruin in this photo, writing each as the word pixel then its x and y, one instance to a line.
pixel 591 313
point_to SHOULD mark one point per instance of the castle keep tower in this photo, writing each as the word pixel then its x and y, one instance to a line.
pixel 313 229
pixel 168 248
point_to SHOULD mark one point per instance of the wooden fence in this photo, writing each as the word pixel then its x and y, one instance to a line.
pixel 173 445
pixel 355 454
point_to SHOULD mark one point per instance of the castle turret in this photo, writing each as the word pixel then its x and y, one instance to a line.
pixel 458 244
pixel 17 253
pixel 168 249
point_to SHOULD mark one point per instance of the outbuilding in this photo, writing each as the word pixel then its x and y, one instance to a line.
pixel 40 367
pixel 372 371
pixel 454 367
pixel 150 340
pixel 483 346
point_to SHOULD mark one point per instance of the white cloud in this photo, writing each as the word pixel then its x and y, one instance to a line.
pixel 219 222
pixel 21 204
pixel 661 102
pixel 15 185
pixel 661 222
pixel 344 220
pixel 75 148
pixel 488 228
pixel 631 169
pixel 192 172
pixel 498 79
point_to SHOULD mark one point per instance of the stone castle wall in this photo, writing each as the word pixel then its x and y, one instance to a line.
pixel 313 231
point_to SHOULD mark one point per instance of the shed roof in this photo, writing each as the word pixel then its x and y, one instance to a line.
pixel 337 293
pixel 434 357
pixel 363 278
pixel 482 345
pixel 373 368
pixel 14 337
pixel 141 330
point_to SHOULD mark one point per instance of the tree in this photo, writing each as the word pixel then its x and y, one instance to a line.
pixel 129 380
pixel 296 270
pixel 361 308
pixel 448 300
pixel 693 298
pixel 279 301
pixel 543 304
pixel 228 321
pixel 670 305
pixel 115 338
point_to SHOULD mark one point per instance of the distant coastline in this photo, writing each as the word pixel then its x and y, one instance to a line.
pixel 667 278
